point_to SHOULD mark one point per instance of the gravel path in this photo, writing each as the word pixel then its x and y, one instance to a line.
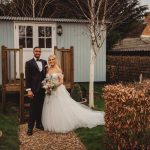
pixel 42 140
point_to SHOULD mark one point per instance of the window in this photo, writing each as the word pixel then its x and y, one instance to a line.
pixel 26 36
pixel 29 35
pixel 45 36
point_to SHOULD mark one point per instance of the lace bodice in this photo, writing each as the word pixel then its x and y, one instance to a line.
pixel 55 76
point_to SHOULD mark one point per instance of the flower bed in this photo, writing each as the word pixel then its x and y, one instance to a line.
pixel 127 115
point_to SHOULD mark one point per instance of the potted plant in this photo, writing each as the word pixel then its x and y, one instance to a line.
pixel 77 94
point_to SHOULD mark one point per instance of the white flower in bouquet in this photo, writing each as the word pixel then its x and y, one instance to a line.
pixel 49 84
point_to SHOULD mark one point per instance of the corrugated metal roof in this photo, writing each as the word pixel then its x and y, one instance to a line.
pixel 9 18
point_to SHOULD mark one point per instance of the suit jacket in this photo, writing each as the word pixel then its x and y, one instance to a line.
pixel 33 75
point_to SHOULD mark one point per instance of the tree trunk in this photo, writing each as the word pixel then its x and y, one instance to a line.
pixel 91 84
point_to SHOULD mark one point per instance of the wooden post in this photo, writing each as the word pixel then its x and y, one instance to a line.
pixel 62 60
pixel 3 77
pixel 8 60
pixel 21 60
pixel 72 66
pixel 21 98
pixel 15 65
pixel 21 85
pixel 55 49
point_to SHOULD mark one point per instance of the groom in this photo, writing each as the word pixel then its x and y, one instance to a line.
pixel 35 72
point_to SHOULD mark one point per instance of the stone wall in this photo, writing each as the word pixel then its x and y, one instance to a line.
pixel 127 68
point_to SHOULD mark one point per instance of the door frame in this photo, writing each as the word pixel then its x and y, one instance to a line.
pixel 35 40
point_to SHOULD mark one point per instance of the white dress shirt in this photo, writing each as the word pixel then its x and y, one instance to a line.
pixel 39 63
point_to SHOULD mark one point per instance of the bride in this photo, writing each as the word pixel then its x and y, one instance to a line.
pixel 60 112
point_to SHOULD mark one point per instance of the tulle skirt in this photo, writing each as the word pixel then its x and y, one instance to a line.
pixel 63 114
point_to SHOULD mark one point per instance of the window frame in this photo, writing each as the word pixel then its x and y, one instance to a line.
pixel 35 34
pixel 25 36
pixel 45 37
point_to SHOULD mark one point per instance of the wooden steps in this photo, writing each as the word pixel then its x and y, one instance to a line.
pixel 12 87
pixel 10 83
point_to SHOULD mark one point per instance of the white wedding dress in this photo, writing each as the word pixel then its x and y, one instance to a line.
pixel 63 114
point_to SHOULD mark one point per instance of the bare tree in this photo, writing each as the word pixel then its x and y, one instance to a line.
pixel 103 14
pixel 4 7
pixel 29 8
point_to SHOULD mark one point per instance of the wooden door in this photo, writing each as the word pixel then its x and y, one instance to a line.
pixel 65 59
pixel 29 35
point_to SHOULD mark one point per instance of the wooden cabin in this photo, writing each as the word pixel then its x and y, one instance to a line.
pixel 48 33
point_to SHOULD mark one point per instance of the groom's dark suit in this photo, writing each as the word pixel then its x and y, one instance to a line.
pixel 34 77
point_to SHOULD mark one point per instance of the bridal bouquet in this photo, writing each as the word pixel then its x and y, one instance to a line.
pixel 49 84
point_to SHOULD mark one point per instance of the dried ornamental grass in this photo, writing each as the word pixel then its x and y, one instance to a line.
pixel 127 115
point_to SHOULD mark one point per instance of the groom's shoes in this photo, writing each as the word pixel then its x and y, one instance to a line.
pixel 39 127
pixel 29 132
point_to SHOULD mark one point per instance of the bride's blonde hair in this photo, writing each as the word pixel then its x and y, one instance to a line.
pixel 57 62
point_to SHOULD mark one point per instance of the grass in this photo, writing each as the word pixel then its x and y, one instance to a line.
pixel 9 127
pixel 94 139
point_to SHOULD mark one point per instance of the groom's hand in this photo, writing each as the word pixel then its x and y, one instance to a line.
pixel 30 94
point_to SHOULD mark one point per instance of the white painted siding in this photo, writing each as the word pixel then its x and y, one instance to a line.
pixel 6 38
pixel 76 35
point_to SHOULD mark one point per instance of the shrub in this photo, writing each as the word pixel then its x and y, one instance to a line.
pixel 127 116
pixel 76 93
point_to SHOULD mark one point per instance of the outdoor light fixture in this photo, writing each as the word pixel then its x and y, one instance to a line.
pixel 59 30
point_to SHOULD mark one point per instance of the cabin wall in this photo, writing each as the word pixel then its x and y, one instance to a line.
pixel 74 34
pixel 77 35
pixel 6 38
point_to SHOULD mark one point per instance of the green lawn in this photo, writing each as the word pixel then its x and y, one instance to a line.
pixel 9 127
pixel 94 139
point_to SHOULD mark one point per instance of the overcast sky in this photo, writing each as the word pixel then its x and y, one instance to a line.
pixel 145 2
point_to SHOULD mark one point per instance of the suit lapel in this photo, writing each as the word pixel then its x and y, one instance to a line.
pixel 43 65
pixel 35 64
